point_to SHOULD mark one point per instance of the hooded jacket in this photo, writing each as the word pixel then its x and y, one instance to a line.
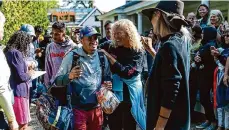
pixel 85 87
pixel 54 56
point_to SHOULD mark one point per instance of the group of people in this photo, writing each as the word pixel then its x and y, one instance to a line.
pixel 186 58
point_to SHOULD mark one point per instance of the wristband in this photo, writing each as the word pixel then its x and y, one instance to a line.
pixel 163 117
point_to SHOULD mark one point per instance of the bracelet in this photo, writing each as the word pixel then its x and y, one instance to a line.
pixel 164 117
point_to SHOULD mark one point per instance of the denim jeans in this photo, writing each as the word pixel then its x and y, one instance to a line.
pixel 223 117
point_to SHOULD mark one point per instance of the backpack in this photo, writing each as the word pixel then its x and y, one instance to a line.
pixel 55 110
pixel 55 91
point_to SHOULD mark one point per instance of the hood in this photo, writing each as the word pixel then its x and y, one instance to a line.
pixel 209 34
pixel 68 41
pixel 197 12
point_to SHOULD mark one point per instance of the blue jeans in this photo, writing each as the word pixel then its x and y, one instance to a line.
pixel 223 117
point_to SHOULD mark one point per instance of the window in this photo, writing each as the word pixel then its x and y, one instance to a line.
pixel 96 18
pixel 115 18
pixel 72 18
pixel 54 18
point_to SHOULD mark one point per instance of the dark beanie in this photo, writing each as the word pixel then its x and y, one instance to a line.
pixel 209 34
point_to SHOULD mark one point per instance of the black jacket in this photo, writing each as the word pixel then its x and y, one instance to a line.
pixel 168 84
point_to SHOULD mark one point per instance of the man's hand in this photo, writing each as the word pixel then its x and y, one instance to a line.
pixel 226 80
pixel 148 45
pixel 107 85
pixel 76 72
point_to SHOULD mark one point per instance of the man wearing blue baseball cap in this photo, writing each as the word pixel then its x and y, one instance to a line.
pixel 86 69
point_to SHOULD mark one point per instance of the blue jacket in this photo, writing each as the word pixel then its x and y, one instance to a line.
pixel 19 77
pixel 84 88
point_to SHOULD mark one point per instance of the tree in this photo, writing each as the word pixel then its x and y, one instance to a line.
pixel 79 3
pixel 19 12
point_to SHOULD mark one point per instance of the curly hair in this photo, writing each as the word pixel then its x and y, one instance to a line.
pixel 20 41
pixel 131 31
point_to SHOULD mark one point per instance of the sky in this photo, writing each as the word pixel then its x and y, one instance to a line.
pixel 106 5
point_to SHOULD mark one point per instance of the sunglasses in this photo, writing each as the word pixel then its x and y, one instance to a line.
pixel 227 35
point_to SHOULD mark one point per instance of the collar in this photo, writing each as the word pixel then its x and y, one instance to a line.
pixel 87 55
pixel 165 38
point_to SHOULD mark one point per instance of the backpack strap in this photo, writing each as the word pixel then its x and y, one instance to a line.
pixel 102 63
pixel 75 59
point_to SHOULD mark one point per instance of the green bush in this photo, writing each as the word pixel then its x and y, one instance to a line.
pixel 18 12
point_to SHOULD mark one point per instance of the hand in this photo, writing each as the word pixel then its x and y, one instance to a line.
pixel 76 72
pixel 147 43
pixel 197 58
pixel 31 65
pixel 31 72
pixel 214 51
pixel 226 80
pixel 13 125
pixel 107 85
pixel 109 57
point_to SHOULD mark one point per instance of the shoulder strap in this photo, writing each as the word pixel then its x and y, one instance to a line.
pixel 75 59
pixel 102 62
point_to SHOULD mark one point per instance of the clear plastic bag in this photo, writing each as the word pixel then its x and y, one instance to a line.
pixel 107 100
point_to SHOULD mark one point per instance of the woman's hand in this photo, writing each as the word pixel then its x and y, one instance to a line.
pixel 31 72
pixel 226 80
pixel 109 57
pixel 76 72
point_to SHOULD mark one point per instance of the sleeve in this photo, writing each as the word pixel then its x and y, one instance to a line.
pixel 130 70
pixel 170 75
pixel 4 69
pixel 48 68
pixel 64 70
pixel 18 64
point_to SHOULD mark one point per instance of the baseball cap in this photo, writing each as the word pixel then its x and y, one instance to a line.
pixel 29 29
pixel 88 31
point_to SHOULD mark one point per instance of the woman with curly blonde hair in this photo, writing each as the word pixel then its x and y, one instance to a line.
pixel 126 65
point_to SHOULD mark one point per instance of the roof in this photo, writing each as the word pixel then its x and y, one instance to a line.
pixel 87 16
pixel 128 4
pixel 130 8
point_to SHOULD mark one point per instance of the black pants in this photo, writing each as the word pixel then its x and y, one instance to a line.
pixel 3 123
pixel 205 83
pixel 193 87
pixel 122 118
